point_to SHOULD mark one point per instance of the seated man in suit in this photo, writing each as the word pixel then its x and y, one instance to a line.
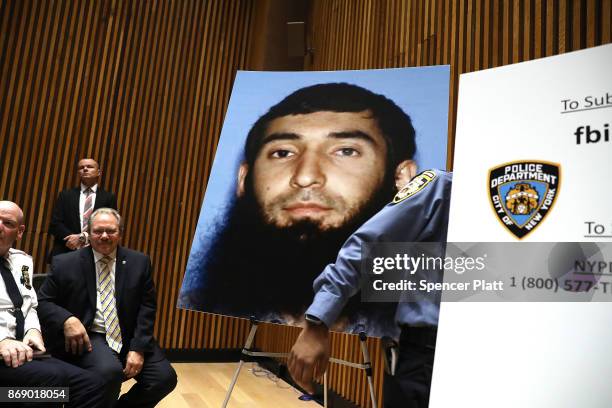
pixel 108 335
pixel 21 341
pixel 74 207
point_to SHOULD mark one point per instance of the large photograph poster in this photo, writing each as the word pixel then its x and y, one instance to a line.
pixel 304 159
pixel 533 162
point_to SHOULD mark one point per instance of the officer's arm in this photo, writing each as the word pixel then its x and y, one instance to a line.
pixel 309 355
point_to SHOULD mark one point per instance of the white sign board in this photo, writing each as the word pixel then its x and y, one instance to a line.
pixel 533 163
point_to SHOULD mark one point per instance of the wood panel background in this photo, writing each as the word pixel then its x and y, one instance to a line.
pixel 143 86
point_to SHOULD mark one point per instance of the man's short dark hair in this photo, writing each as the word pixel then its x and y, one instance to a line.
pixel 393 122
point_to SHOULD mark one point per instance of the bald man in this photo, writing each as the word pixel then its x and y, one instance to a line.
pixel 21 342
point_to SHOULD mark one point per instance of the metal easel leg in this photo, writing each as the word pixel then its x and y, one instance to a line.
pixel 247 346
pixel 325 389
pixel 368 366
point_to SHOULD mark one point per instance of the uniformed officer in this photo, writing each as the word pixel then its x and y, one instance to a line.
pixel 21 344
pixel 418 213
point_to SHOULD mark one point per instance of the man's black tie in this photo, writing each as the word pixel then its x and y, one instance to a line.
pixel 15 295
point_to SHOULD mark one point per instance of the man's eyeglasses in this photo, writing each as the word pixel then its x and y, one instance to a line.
pixel 109 232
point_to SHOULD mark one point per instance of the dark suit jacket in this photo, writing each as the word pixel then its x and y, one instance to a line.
pixel 66 218
pixel 70 290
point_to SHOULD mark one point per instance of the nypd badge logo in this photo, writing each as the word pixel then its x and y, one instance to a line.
pixel 522 193
pixel 416 184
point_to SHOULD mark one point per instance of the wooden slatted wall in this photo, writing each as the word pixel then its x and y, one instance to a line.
pixel 469 35
pixel 142 86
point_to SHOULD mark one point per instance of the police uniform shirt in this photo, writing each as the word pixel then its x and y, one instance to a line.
pixel 418 213
pixel 22 269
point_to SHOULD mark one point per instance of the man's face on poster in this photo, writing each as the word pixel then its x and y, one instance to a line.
pixel 316 166
pixel 321 168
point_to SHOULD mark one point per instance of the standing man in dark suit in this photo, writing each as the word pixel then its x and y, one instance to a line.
pixel 97 308
pixel 74 206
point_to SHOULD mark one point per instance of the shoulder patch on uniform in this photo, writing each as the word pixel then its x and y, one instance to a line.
pixel 416 184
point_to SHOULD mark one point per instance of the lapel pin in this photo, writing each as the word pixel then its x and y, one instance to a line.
pixel 123 262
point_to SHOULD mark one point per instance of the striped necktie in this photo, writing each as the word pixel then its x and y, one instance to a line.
pixel 106 289
pixel 87 208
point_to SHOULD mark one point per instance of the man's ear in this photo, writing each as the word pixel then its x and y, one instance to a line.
pixel 404 172
pixel 20 231
pixel 242 173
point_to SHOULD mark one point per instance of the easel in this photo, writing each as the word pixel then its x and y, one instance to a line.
pixel 246 351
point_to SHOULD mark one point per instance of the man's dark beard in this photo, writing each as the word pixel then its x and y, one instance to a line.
pixel 257 269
